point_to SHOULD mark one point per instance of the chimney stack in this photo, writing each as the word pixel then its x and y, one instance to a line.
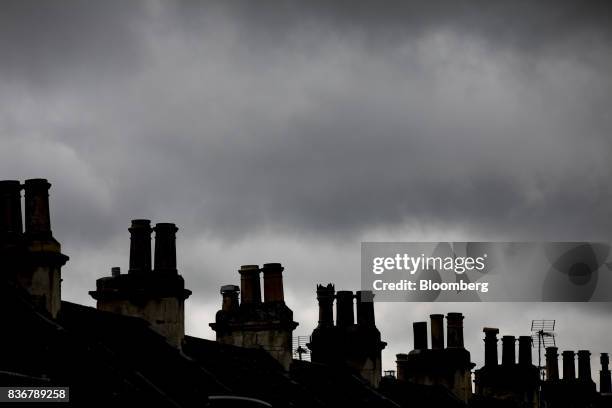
pixel 569 370
pixel 420 335
pixel 273 282
pixel 584 365
pixel 490 341
pixel 230 298
pixel 508 351
pixel 10 209
pixel 140 246
pixel 605 379
pixel 454 330
pixel 437 331
pixel 365 308
pixel 525 350
pixel 37 218
pixel 552 364
pixel 249 284
pixel 344 308
pixel 325 297
pixel 115 271
pixel 165 248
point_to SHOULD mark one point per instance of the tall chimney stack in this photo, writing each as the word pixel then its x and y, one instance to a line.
pixel 140 246
pixel 273 282
pixel 605 379
pixel 10 209
pixel 365 308
pixel 552 364
pixel 508 351
pixel 325 297
pixel 584 365
pixel 525 350
pixel 230 298
pixel 249 284
pixel 165 248
pixel 490 341
pixel 37 218
pixel 345 316
pixel 420 335
pixel 437 331
pixel 454 330
pixel 569 369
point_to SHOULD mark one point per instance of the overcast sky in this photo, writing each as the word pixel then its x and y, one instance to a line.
pixel 292 131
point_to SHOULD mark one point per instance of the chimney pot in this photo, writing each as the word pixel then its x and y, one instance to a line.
pixel 325 298
pixel 552 364
pixel 437 331
pixel 508 350
pixel 584 365
pixel 345 315
pixel 115 271
pixel 605 379
pixel 420 335
pixel 250 289
pixel 230 297
pixel 490 341
pixel 140 246
pixel 454 330
pixel 37 218
pixel 11 225
pixel 165 248
pixel 569 368
pixel 365 308
pixel 273 282
pixel 525 350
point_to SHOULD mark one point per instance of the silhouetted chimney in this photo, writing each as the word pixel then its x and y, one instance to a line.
pixel 165 248
pixel 420 335
pixel 273 282
pixel 454 330
pixel 325 297
pixel 230 298
pixel 249 284
pixel 37 218
pixel 10 209
pixel 569 370
pixel 344 308
pixel 552 364
pixel 437 331
pixel 115 271
pixel 525 350
pixel 365 308
pixel 140 246
pixel 508 350
pixel 490 341
pixel 605 379
pixel 584 365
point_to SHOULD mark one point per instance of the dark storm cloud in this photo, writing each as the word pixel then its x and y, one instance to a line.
pixel 290 131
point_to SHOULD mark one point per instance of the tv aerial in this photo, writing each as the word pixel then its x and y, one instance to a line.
pixel 543 334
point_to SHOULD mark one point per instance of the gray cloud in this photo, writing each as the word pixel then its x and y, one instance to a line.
pixel 291 131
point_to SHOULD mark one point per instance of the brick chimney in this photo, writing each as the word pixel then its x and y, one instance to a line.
pixel 508 351
pixel 365 308
pixel 552 364
pixel 32 259
pixel 437 331
pixel 325 298
pixel 490 341
pixel 605 379
pixel 569 368
pixel 345 316
pixel 264 325
pixel 157 296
